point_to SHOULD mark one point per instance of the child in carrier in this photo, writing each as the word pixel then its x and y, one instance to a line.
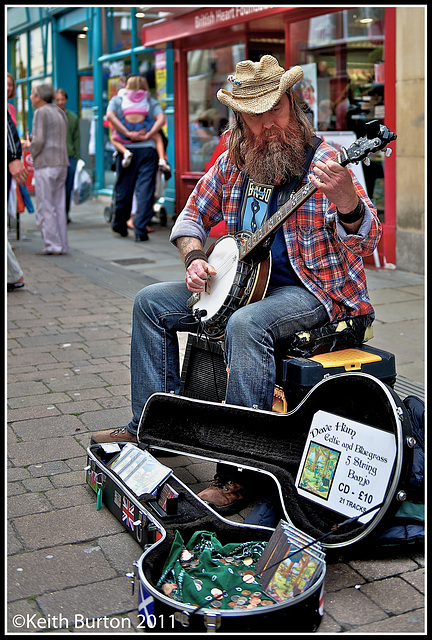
pixel 135 106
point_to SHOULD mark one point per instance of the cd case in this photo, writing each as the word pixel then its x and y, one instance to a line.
pixel 139 470
pixel 290 562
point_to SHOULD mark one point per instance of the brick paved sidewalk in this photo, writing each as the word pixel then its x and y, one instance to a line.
pixel 68 375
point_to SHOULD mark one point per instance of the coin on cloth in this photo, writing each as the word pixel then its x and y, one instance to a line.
pixel 169 587
pixel 198 584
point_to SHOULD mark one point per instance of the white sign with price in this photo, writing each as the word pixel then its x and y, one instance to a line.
pixel 346 465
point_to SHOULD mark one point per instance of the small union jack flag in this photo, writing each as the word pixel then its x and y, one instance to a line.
pixel 128 511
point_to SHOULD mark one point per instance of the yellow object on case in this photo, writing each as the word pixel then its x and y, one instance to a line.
pixel 350 359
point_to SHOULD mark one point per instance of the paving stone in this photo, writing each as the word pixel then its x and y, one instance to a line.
pixel 109 348
pixel 92 393
pixel 11 436
pixel 78 464
pixel 185 476
pixel 14 545
pixel 37 484
pixel 350 607
pixel 75 383
pixel 110 598
pixel 121 390
pixel 48 469
pixel 118 377
pixel 328 625
pixel 56 424
pixel 116 402
pixel 64 526
pixel 15 488
pixel 44 450
pixel 101 420
pixel 69 497
pixel 25 388
pixel 48 399
pixel 339 576
pixel 71 478
pixel 49 339
pixel 19 615
pixel 29 357
pixel 407 623
pixel 28 413
pixel 394 595
pixel 17 473
pixel 416 578
pixel 381 568
pixel 121 550
pixel 55 568
pixel 22 505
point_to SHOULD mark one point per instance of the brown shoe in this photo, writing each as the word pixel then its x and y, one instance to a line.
pixel 225 498
pixel 113 435
pixel 48 253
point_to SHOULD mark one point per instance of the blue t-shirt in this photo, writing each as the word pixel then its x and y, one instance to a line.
pixel 259 202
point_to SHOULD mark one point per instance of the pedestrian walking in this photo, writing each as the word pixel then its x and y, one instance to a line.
pixel 73 142
pixel 140 175
pixel 48 148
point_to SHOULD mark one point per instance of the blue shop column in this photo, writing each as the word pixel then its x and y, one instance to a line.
pixel 65 66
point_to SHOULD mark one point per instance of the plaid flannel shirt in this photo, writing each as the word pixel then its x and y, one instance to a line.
pixel 327 260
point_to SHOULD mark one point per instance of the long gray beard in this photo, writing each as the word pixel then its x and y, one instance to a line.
pixel 274 161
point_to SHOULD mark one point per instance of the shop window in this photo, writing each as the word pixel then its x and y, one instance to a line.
pixel 208 70
pixel 21 56
pixel 342 55
pixel 116 29
pixel 21 110
pixel 40 50
pixel 82 51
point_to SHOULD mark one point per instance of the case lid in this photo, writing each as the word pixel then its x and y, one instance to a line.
pixel 335 421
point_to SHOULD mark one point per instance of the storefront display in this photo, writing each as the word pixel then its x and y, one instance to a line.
pixel 187 53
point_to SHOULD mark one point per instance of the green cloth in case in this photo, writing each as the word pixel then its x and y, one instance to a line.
pixel 203 566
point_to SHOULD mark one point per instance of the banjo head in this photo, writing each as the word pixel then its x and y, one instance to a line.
pixel 224 258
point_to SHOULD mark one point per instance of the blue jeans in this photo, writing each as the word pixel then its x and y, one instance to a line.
pixel 140 177
pixel 251 335
pixel 146 124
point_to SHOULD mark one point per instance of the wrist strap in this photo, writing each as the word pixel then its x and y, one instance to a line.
pixel 196 254
pixel 354 215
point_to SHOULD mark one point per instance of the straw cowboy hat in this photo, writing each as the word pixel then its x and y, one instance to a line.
pixel 258 86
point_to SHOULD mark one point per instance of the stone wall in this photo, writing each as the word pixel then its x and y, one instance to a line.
pixel 410 129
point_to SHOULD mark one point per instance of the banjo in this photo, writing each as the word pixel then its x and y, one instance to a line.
pixel 243 261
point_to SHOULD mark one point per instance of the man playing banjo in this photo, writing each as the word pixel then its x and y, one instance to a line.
pixel 317 272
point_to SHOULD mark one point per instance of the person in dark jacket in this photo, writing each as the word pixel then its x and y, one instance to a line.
pixel 73 142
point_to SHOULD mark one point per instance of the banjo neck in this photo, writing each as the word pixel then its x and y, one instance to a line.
pixel 258 237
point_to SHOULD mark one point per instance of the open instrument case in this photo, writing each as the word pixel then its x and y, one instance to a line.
pixel 359 423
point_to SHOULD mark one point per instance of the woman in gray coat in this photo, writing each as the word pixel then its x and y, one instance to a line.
pixel 48 149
